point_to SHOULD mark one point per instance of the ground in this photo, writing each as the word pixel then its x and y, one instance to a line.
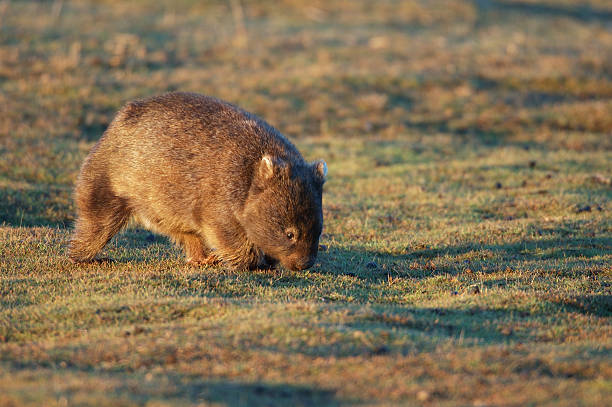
pixel 467 254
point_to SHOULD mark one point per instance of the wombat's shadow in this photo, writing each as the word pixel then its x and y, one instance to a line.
pixel 137 244
pixel 419 263
pixel 568 255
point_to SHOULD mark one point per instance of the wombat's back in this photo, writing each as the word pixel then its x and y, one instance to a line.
pixel 178 147
pixel 181 126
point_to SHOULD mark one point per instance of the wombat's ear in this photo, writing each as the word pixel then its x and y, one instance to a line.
pixel 268 166
pixel 320 169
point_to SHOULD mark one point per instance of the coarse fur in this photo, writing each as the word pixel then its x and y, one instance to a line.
pixel 218 180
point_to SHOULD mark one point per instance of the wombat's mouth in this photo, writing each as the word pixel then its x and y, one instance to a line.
pixel 306 265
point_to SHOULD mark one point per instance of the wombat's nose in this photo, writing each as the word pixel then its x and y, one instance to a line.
pixel 304 264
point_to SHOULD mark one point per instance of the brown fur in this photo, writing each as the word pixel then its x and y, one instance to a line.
pixel 219 181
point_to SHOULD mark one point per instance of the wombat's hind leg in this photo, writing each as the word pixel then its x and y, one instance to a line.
pixel 196 251
pixel 95 226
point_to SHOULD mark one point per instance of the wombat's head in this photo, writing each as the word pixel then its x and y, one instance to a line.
pixel 283 213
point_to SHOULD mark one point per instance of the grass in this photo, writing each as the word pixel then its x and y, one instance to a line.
pixel 468 236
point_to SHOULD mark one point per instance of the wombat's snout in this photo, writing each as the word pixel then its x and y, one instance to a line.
pixel 303 264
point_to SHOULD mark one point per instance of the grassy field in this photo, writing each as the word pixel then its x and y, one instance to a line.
pixel 467 254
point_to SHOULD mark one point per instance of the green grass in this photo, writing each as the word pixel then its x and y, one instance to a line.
pixel 468 235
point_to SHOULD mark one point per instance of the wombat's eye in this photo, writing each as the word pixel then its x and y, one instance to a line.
pixel 291 234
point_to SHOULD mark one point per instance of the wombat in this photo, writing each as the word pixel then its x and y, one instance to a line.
pixel 217 180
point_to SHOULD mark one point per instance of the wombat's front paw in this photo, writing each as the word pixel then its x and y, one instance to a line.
pixel 267 263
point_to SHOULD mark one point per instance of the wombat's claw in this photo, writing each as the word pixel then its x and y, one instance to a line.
pixel 103 260
pixel 209 260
